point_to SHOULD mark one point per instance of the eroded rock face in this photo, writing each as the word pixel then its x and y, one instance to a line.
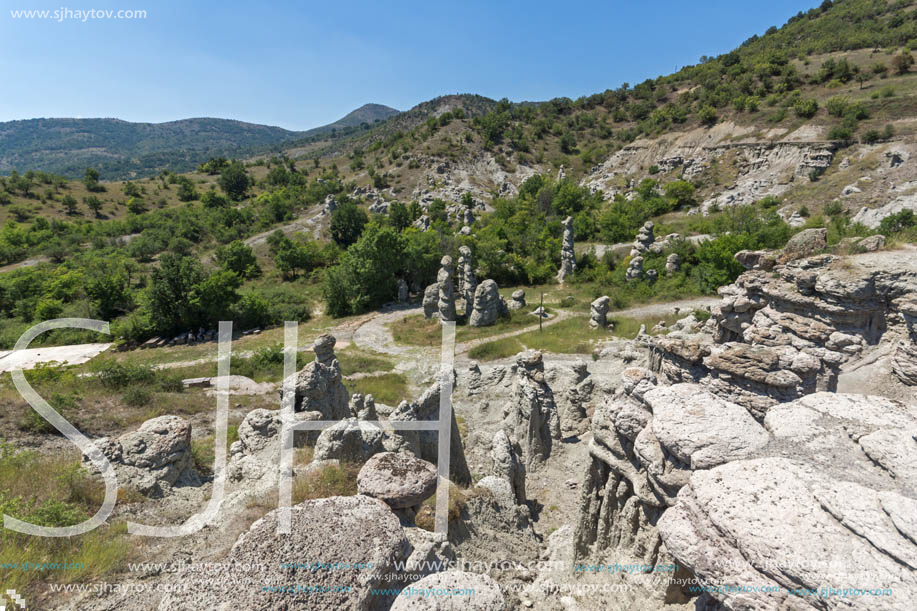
pixel 531 415
pixel 154 458
pixel 486 305
pixel 679 475
pixel 487 594
pixel 319 385
pixel 350 440
pixel 567 254
pixel 349 531
pixel 401 480
pixel 785 333
pixel 507 464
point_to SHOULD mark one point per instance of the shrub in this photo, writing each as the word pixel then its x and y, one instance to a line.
pixel 840 134
pixel 137 396
pixel 837 106
pixel 805 108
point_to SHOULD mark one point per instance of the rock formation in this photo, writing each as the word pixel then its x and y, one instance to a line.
pixel 806 242
pixel 431 301
pixel 486 305
pixel 634 269
pixel 531 414
pixel 781 334
pixel 357 532
pixel 672 263
pixel 350 440
pixel 403 293
pixel 467 281
pixel 518 300
pixel 644 240
pixel 598 311
pixel 445 281
pixel 319 385
pixel 567 255
pixel 154 458
pixel 507 464
pixel 401 480
pixel 680 476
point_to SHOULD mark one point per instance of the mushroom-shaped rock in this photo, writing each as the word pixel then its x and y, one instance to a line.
pixel 399 479
pixel 486 593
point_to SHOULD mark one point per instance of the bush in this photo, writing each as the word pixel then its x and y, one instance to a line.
pixel 137 396
pixel 837 106
pixel 897 222
pixel 805 108
pixel 840 134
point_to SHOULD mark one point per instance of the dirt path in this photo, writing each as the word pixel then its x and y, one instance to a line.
pixel 31 357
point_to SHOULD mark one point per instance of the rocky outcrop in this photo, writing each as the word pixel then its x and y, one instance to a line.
pixel 681 476
pixel 598 310
pixel 319 385
pixel 567 254
pixel 785 333
pixel 403 293
pixel 350 440
pixel 360 541
pixel 486 305
pixel 904 361
pixel 575 391
pixel 424 444
pixel 154 458
pixel 446 282
pixel 531 414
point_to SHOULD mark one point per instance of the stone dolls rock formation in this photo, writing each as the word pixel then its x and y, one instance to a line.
pixel 567 255
pixel 531 415
pixel 446 282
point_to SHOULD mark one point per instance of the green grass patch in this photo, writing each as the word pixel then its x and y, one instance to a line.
pixel 332 480
pixel 418 331
pixel 571 336
pixel 388 388
pixel 497 349
pixel 54 491
pixel 203 450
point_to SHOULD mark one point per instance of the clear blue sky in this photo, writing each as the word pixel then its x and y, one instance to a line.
pixel 303 64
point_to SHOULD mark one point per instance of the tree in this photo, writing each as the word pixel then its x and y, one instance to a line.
pixel 169 296
pixel 212 199
pixel 681 192
pixel 234 180
pixel 902 62
pixel 69 203
pixel 861 78
pixel 91 180
pixel 238 257
pixel 291 256
pixel 186 190
pixel 707 115
pixel 399 216
pixel 347 222
pixel 131 189
pixel 93 203
pixel 366 275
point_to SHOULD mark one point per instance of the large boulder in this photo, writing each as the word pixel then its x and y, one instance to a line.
pixel 486 305
pixel 154 458
pixel 431 300
pixel 401 480
pixel 518 300
pixel 342 548
pixel 598 310
pixel 350 440
pixel 806 242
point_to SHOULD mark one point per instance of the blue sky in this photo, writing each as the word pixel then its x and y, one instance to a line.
pixel 303 64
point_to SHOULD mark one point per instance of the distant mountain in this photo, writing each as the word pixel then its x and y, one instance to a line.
pixel 121 149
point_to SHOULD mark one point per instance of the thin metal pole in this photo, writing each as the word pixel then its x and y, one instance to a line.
pixel 541 312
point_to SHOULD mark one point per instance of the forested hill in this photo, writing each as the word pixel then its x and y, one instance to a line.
pixel 121 149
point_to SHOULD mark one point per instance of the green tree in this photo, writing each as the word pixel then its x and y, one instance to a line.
pixel 91 180
pixel 366 275
pixel 347 223
pixel 902 62
pixel 805 108
pixel 399 216
pixel 238 257
pixel 681 192
pixel 186 190
pixel 707 115
pixel 171 293
pixel 234 180
pixel 93 203
pixel 131 189
pixel 69 203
